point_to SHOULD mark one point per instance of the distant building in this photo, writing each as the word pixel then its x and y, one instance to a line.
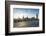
pixel 23 17
pixel 36 16
pixel 27 17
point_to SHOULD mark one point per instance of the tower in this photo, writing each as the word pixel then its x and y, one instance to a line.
pixel 27 17
pixel 36 16
pixel 23 17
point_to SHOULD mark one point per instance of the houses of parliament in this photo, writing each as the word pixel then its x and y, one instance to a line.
pixel 27 19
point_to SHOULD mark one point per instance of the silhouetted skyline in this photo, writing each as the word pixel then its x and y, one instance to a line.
pixel 20 12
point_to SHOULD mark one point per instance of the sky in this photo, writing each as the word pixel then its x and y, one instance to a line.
pixel 20 12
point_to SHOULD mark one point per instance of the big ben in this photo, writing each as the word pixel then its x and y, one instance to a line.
pixel 37 16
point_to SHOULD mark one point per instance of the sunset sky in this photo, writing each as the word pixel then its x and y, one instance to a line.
pixel 20 12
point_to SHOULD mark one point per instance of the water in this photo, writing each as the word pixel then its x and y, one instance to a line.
pixel 27 24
